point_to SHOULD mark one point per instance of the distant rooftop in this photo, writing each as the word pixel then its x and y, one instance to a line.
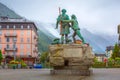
pixel 100 55
pixel 6 19
pixel 108 48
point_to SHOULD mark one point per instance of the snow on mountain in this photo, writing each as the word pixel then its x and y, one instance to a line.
pixel 98 42
pixel 48 29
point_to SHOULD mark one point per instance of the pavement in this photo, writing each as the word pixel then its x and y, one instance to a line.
pixel 105 74
pixel 44 74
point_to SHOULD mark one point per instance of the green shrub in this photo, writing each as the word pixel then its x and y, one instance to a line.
pixel 15 63
pixel 117 61
pixel 12 65
pixel 98 65
pixel 23 64
pixel 1 57
pixel 111 63
pixel 44 57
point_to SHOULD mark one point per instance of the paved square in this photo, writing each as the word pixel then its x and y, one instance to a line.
pixel 44 74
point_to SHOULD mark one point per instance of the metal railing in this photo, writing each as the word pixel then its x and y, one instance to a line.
pixel 10 49
pixel 10 35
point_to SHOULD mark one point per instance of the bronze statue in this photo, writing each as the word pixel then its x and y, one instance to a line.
pixel 75 27
pixel 65 23
pixel 64 26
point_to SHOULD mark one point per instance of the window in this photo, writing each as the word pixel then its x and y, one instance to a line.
pixel 14 46
pixel 7 46
pixel 21 26
pixel 14 39
pixel 22 53
pixel 28 53
pixel 21 40
pixel 28 40
pixel 7 26
pixel 7 39
pixel 28 26
pixel 28 32
pixel 13 53
pixel 0 46
pixel 0 40
pixel 0 27
pixel 0 32
pixel 21 46
pixel 14 27
pixel 28 46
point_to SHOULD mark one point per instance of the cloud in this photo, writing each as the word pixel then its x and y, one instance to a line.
pixel 101 16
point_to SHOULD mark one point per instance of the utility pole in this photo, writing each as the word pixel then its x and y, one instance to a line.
pixel 119 35
pixel 107 58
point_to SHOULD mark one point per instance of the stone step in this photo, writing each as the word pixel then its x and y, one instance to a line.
pixel 72 72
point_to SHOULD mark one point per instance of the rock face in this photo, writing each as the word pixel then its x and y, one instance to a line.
pixel 71 57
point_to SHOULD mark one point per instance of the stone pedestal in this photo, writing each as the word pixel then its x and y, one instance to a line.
pixel 71 58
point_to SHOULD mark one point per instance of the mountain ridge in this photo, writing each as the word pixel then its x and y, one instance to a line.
pixel 6 12
pixel 98 42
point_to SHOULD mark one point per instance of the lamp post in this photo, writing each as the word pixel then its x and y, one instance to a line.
pixel 14 47
pixel 14 56
pixel 107 55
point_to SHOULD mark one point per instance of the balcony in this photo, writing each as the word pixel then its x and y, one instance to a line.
pixel 10 49
pixel 10 35
pixel 35 50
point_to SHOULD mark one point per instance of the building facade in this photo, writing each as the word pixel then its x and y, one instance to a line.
pixel 100 57
pixel 18 39
pixel 109 51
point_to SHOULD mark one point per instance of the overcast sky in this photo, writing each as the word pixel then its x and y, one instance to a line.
pixel 101 16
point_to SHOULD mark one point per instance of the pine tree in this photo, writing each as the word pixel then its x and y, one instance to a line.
pixel 1 57
pixel 116 51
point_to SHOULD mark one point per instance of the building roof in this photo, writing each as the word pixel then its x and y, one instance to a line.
pixel 19 22
pixel 108 48
pixel 100 55
pixel 8 20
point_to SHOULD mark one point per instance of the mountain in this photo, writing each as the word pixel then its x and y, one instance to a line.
pixel 45 37
pixel 47 29
pixel 99 42
pixel 6 12
pixel 44 41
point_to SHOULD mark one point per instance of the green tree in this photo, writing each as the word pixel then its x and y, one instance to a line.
pixel 116 51
pixel 44 60
pixel 1 57
pixel 95 59
pixel 44 57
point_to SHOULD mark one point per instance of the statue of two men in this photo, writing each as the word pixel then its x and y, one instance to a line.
pixel 66 23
